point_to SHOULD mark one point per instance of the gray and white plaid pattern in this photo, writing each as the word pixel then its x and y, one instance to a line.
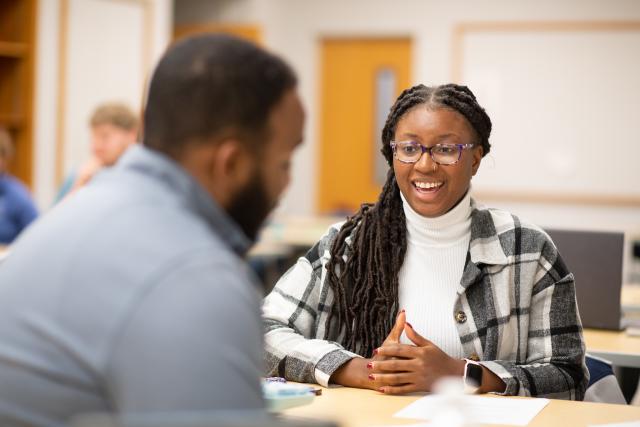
pixel 515 310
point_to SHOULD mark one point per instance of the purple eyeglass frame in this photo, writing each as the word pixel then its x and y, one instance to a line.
pixel 460 147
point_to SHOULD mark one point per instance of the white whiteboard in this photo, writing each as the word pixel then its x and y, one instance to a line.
pixel 560 102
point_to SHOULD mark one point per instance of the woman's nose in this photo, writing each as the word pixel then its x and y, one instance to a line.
pixel 425 163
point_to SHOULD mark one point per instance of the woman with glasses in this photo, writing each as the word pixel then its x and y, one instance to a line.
pixel 427 283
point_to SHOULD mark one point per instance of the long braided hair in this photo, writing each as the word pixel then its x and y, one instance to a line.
pixel 365 285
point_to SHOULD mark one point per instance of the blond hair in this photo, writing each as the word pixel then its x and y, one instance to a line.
pixel 116 114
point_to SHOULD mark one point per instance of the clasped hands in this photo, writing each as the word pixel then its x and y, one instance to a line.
pixel 397 368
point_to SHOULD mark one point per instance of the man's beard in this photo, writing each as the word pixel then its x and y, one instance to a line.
pixel 250 206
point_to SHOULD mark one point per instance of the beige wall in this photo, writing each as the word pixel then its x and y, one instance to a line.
pixel 293 28
pixel 110 47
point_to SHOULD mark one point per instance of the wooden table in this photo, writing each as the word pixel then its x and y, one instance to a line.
pixel 295 231
pixel 364 408
pixel 282 237
pixel 617 347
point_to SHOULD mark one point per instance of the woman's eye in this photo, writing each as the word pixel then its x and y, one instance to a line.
pixel 446 149
pixel 410 149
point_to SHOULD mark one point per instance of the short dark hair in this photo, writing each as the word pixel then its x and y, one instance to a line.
pixel 209 84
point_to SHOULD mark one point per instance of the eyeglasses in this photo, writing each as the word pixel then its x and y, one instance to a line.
pixel 442 154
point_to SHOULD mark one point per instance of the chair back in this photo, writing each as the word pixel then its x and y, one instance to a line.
pixel 603 385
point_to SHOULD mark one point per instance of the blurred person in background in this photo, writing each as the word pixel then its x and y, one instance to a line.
pixel 134 296
pixel 17 209
pixel 114 128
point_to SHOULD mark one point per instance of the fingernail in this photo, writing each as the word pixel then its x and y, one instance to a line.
pixel 375 351
pixel 372 377
pixel 370 365
pixel 409 324
pixel 381 389
pixel 402 311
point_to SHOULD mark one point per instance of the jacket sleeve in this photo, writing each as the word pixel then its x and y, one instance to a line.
pixel 295 317
pixel 555 357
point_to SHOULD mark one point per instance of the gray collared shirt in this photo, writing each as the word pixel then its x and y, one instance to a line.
pixel 132 295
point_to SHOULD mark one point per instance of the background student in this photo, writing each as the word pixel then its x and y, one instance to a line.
pixel 17 209
pixel 114 128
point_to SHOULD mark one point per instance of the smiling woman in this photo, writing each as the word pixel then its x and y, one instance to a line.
pixel 487 294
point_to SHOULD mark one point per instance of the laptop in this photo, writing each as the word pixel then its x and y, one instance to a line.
pixel 596 260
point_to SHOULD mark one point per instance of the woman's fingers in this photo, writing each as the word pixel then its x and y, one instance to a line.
pixel 394 365
pixel 395 379
pixel 400 389
pixel 414 336
pixel 397 350
pixel 398 327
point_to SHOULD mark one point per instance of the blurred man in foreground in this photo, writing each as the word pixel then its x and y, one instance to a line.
pixel 133 296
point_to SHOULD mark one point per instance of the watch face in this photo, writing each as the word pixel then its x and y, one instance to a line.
pixel 473 375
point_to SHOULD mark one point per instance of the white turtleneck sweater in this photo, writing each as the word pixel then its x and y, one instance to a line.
pixel 432 269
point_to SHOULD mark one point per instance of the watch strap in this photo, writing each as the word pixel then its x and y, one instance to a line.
pixel 472 376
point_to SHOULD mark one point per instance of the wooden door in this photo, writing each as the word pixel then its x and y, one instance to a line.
pixel 360 79
pixel 251 33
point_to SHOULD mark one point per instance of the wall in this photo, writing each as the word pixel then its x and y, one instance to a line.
pixel 46 92
pixel 78 91
pixel 294 27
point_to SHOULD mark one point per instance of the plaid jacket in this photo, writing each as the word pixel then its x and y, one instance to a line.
pixel 515 311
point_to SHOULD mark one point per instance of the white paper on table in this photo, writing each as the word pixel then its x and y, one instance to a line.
pixel 625 424
pixel 478 409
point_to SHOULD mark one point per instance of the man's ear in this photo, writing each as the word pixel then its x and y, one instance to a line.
pixel 231 163
pixel 221 167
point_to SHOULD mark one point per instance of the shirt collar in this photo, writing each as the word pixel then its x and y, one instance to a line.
pixel 197 199
pixel 485 246
pixel 442 230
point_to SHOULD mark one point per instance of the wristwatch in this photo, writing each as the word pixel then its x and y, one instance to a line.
pixel 472 376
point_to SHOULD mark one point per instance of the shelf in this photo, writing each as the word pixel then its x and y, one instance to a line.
pixel 13 50
pixel 18 20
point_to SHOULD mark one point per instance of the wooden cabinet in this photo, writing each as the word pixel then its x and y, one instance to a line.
pixel 17 55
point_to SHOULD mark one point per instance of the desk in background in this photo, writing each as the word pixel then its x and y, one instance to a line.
pixel 282 241
pixel 623 351
pixel 293 232
pixel 365 408
pixel 617 347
